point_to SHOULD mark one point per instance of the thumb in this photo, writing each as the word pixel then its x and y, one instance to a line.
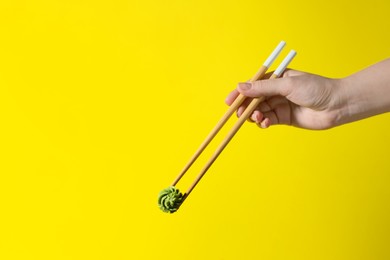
pixel 269 87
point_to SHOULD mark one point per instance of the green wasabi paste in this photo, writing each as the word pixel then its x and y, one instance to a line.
pixel 170 199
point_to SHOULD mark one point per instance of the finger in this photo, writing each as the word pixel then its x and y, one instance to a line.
pixel 276 101
pixel 282 86
pixel 264 107
pixel 272 87
pixel 256 116
pixel 241 109
pixel 243 106
pixel 270 118
pixel 253 117
pixel 278 105
pixel 265 123
pixel 293 73
pixel 231 97
pixel 258 112
pixel 272 103
pixel 250 120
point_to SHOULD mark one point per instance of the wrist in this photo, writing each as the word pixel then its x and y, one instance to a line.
pixel 357 101
pixel 352 101
pixel 339 108
pixel 365 93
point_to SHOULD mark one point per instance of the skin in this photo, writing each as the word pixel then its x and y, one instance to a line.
pixel 314 102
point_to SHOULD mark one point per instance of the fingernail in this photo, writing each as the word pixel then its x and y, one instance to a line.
pixel 258 118
pixel 239 111
pixel 244 86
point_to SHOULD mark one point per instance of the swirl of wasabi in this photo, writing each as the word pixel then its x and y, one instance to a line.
pixel 170 199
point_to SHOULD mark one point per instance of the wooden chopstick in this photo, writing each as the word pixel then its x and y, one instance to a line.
pixel 236 104
pixel 248 111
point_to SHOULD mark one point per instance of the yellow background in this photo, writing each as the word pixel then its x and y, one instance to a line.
pixel 103 102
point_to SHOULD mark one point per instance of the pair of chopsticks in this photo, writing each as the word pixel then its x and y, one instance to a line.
pixel 247 113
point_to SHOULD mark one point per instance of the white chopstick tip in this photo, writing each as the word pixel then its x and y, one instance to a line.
pixel 274 54
pixel 281 68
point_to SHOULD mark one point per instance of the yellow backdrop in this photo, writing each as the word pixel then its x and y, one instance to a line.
pixel 103 102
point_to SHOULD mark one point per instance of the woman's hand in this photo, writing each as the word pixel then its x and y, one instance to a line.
pixel 298 98
pixel 314 102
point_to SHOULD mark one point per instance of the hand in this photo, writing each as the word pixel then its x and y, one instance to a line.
pixel 298 98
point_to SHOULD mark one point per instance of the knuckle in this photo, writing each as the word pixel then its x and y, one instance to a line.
pixel 287 73
pixel 257 84
pixel 289 84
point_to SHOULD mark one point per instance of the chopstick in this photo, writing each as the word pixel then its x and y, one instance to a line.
pixel 236 104
pixel 248 111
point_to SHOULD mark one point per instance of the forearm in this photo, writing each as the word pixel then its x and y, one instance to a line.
pixel 365 93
